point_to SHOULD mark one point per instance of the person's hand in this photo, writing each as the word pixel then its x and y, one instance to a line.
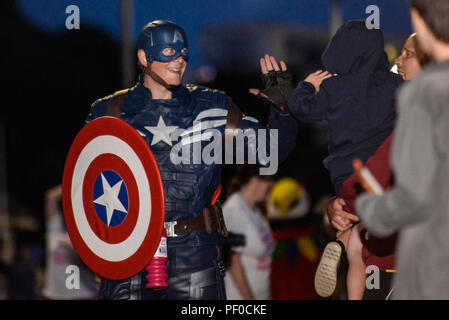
pixel 340 219
pixel 277 82
pixel 317 77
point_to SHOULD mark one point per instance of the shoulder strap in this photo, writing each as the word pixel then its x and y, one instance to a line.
pixel 234 118
pixel 115 104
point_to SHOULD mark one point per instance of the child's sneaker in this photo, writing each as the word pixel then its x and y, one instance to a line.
pixel 326 273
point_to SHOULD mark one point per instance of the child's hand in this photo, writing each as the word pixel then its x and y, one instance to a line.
pixel 317 77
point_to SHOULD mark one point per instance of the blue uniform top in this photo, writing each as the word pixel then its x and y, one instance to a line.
pixel 176 124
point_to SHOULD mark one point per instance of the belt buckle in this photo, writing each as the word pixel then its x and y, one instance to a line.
pixel 170 228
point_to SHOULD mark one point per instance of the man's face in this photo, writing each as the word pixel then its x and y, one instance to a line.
pixel 171 72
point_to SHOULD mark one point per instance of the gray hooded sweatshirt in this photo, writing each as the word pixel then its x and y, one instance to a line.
pixel 418 205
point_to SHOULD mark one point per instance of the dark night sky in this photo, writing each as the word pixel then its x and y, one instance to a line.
pixel 194 16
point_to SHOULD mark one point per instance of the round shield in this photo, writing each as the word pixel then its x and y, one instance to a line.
pixel 113 198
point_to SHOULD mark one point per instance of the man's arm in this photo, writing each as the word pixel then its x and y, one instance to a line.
pixel 97 109
pixel 266 146
pixel 278 88
pixel 287 127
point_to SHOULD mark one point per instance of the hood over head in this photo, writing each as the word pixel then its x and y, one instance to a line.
pixel 355 49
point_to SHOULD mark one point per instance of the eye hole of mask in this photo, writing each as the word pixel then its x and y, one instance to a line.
pixel 168 52
pixel 184 51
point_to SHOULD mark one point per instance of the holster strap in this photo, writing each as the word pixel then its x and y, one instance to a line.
pixel 115 104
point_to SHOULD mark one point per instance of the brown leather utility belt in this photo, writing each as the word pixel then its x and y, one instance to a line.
pixel 209 220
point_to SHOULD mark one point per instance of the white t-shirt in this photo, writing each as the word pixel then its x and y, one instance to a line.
pixel 60 255
pixel 256 254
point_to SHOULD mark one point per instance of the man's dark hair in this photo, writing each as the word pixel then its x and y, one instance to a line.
pixel 436 15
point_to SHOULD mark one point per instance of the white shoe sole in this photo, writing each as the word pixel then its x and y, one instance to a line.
pixel 326 273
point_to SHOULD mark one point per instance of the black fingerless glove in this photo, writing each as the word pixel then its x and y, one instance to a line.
pixel 278 89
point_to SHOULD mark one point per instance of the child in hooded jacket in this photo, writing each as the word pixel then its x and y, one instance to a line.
pixel 356 97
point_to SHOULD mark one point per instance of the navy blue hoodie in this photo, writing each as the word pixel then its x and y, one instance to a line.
pixel 358 102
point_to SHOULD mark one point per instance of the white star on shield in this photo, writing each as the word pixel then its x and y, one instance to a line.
pixel 110 199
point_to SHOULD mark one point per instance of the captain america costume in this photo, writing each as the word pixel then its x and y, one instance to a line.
pixel 195 267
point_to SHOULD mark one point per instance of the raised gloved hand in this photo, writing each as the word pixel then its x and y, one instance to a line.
pixel 277 82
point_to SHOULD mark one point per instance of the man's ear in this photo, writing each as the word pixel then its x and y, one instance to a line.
pixel 417 20
pixel 424 35
pixel 142 57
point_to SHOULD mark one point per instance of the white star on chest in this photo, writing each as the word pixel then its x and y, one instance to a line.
pixel 110 199
pixel 161 132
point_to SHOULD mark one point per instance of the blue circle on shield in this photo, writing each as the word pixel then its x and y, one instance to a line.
pixel 110 197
